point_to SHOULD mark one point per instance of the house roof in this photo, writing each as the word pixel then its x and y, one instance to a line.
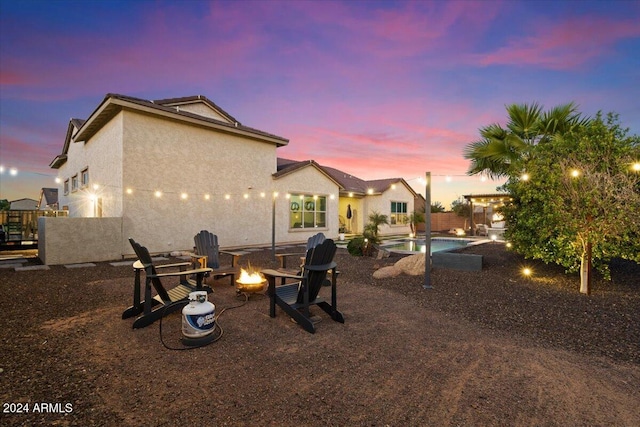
pixel 286 166
pixel 347 182
pixel 48 197
pixel 169 108
pixel 23 205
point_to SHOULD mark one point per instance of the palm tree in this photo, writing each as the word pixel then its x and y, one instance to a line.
pixel 376 219
pixel 500 148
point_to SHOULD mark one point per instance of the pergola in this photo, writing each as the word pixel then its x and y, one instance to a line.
pixel 485 201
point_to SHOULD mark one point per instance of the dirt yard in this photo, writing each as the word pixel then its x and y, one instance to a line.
pixel 488 348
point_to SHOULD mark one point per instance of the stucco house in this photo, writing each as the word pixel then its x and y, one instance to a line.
pixel 163 170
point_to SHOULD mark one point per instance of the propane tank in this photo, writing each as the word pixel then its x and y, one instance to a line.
pixel 198 317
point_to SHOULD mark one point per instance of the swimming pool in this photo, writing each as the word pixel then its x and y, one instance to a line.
pixel 413 245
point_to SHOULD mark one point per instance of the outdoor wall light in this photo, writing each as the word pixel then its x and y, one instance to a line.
pixel 227 196
pixel 184 196
pixel 158 194
pixel 129 191
pixel 207 197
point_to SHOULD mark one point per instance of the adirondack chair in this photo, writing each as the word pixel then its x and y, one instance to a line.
pixel 296 298
pixel 207 245
pixel 165 301
pixel 312 242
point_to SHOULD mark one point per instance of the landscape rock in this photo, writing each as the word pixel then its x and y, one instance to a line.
pixel 386 272
pixel 412 265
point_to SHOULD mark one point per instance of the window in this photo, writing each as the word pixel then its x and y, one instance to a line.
pixel 399 213
pixel 66 186
pixel 307 211
pixel 84 178
pixel 74 182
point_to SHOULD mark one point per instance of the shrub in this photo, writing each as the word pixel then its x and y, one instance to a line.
pixel 356 246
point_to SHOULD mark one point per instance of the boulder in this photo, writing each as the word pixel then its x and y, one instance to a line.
pixel 412 265
pixel 386 272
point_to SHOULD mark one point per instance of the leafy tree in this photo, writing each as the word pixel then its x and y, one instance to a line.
pixel 461 207
pixel 4 205
pixel 437 207
pixel 582 200
pixel 528 126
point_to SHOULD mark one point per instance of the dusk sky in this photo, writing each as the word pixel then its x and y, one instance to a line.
pixel 377 89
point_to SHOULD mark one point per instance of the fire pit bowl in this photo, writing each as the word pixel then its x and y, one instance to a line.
pixel 250 281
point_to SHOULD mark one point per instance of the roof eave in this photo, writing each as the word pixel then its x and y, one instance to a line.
pixel 113 105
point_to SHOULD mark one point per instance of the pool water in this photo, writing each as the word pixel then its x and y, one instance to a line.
pixel 437 245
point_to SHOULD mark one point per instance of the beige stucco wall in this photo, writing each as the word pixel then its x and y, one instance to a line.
pixel 167 156
pixel 102 154
pixel 308 181
pixel 382 204
pixel 79 240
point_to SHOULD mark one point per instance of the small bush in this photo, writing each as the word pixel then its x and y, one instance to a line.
pixel 356 246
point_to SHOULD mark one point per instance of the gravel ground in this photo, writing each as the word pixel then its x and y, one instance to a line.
pixel 480 348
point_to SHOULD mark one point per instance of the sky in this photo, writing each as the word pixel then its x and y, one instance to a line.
pixel 377 89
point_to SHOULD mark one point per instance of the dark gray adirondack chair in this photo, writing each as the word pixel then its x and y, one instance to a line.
pixel 312 242
pixel 152 308
pixel 296 298
pixel 207 245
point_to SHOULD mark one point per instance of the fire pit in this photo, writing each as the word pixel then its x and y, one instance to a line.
pixel 250 281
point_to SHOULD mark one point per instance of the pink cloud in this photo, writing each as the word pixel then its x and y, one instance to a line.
pixel 29 156
pixel 564 45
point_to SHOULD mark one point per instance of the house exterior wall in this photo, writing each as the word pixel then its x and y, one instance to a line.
pixel 102 156
pixel 382 204
pixel 175 158
pixel 356 224
pixel 78 240
pixel 308 181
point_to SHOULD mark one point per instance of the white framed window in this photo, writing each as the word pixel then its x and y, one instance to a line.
pixel 398 213
pixel 84 178
pixel 74 183
pixel 307 211
pixel 66 186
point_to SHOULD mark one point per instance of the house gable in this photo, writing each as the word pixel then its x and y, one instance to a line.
pixel 286 167
pixel 72 129
pixel 199 105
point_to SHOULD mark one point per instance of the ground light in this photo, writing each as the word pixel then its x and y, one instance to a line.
pixel 527 272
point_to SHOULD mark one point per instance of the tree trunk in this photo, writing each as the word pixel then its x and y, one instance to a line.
pixel 585 271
